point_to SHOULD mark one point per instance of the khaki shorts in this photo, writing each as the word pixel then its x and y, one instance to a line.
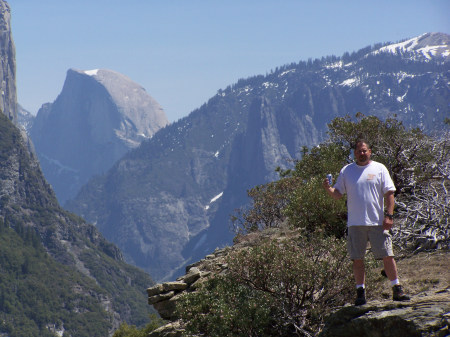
pixel 380 242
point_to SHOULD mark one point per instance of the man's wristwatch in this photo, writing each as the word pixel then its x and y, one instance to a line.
pixel 390 216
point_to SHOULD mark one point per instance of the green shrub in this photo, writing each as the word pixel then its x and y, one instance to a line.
pixel 298 198
pixel 224 307
pixel 280 287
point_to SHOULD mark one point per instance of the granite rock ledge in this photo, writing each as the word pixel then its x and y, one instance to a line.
pixel 426 315
pixel 164 296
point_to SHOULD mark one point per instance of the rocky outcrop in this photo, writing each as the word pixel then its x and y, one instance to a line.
pixel 98 117
pixel 8 94
pixel 164 296
pixel 427 314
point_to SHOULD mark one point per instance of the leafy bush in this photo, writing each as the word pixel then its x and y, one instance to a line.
pixel 224 307
pixel 306 276
pixel 297 199
pixel 310 207
pixel 280 287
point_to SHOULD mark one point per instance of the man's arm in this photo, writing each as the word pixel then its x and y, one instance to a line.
pixel 334 193
pixel 389 203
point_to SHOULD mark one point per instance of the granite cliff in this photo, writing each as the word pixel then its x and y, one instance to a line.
pixel 98 117
pixel 8 94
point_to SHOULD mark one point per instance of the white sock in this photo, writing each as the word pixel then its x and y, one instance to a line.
pixel 395 282
pixel 360 286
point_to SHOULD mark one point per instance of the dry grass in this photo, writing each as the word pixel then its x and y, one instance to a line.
pixel 417 273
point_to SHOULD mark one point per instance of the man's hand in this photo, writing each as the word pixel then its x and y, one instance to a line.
pixel 334 193
pixel 387 223
pixel 326 184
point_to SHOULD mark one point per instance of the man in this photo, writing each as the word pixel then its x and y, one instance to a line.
pixel 367 184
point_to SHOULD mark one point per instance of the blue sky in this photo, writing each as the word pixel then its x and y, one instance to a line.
pixel 183 51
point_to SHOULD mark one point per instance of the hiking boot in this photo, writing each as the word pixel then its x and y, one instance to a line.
pixel 398 294
pixel 360 296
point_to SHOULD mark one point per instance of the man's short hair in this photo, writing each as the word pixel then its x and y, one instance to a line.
pixel 362 140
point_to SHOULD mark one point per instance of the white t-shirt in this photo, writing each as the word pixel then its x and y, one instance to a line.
pixel 365 187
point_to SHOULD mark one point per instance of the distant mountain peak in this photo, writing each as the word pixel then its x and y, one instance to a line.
pixel 99 115
pixel 140 111
pixel 428 45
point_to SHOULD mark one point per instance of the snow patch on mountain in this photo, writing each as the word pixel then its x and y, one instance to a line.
pixel 429 46
pixel 218 196
pixel 335 65
pixel 351 82
pixel 431 51
pixel 92 72
pixel 407 45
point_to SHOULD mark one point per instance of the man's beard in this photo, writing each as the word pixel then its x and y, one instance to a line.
pixel 363 159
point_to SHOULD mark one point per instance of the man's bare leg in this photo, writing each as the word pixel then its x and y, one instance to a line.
pixel 359 271
pixel 390 267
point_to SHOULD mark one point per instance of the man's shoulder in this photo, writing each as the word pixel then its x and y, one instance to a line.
pixel 372 166
pixel 378 165
pixel 348 166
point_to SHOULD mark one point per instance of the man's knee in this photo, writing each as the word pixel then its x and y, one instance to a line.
pixel 388 259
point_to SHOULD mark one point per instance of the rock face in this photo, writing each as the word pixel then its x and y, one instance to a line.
pixel 97 118
pixel 164 296
pixel 427 314
pixel 168 202
pixel 8 94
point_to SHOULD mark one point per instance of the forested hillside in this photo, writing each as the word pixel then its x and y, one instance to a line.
pixel 58 274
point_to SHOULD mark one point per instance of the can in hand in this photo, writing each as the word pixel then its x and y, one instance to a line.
pixel 330 178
